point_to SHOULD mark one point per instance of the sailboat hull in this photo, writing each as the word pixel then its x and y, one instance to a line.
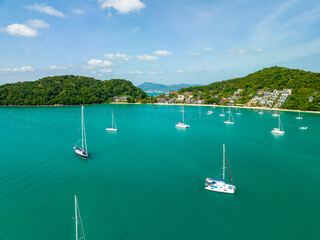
pixel 111 129
pixel 80 153
pixel 220 186
pixel 228 122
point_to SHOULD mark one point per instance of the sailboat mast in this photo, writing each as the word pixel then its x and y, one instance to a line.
pixel 223 168
pixel 182 114
pixel 82 125
pixel 112 118
pixel 76 215
pixel 229 114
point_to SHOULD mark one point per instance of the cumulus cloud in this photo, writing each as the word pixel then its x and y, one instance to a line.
pixel 180 71
pixel 194 53
pixel 122 6
pixel 77 11
pixel 209 49
pixel 136 72
pixel 117 55
pixel 163 52
pixel 21 69
pixel 146 57
pixel 257 49
pixel 36 23
pixel 99 63
pixel 55 67
pixel 20 30
pixel 44 9
pixel 104 70
pixel 29 29
pixel 234 51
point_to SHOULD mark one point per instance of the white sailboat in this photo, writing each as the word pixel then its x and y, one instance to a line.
pixel 199 113
pixel 299 117
pixel 210 111
pixel 79 227
pixel 113 128
pixel 81 151
pixel 222 114
pixel 239 112
pixel 181 124
pixel 261 112
pixel 219 185
pixel 275 114
pixel 279 130
pixel 230 118
pixel 303 128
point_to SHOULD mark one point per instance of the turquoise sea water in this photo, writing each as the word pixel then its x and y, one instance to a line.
pixel 147 180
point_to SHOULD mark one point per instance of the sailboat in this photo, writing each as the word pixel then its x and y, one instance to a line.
pixel 210 111
pixel 78 221
pixel 199 113
pixel 239 112
pixel 275 114
pixel 230 118
pixel 279 130
pixel 113 128
pixel 219 185
pixel 299 116
pixel 81 151
pixel 181 124
pixel 303 128
pixel 222 114
pixel 260 112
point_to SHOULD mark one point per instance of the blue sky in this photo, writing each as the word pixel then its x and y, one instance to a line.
pixel 169 42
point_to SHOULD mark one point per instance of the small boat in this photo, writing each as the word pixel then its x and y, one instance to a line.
pixel 303 128
pixel 299 117
pixel 155 108
pixel 275 114
pixel 113 128
pixel 78 221
pixel 199 113
pixel 239 112
pixel 222 114
pixel 230 118
pixel 209 112
pixel 219 185
pixel 81 151
pixel 279 130
pixel 261 112
pixel 181 124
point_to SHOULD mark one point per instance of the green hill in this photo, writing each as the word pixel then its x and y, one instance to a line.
pixel 303 84
pixel 67 90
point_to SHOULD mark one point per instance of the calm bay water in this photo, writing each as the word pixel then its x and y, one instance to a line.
pixel 147 180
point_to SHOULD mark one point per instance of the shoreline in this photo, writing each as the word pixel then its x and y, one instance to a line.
pixel 167 104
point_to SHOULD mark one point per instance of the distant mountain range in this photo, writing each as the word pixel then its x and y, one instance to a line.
pixel 161 88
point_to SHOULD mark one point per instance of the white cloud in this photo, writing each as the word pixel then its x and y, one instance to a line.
pixel 21 69
pixel 136 72
pixel 122 6
pixel 209 49
pixel 20 29
pixel 194 53
pixel 234 51
pixel 156 73
pixel 43 8
pixel 146 57
pixel 117 55
pixel 55 67
pixel 180 71
pixel 163 52
pixel 104 70
pixel 257 49
pixel 77 11
pixel 36 23
pixel 99 63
